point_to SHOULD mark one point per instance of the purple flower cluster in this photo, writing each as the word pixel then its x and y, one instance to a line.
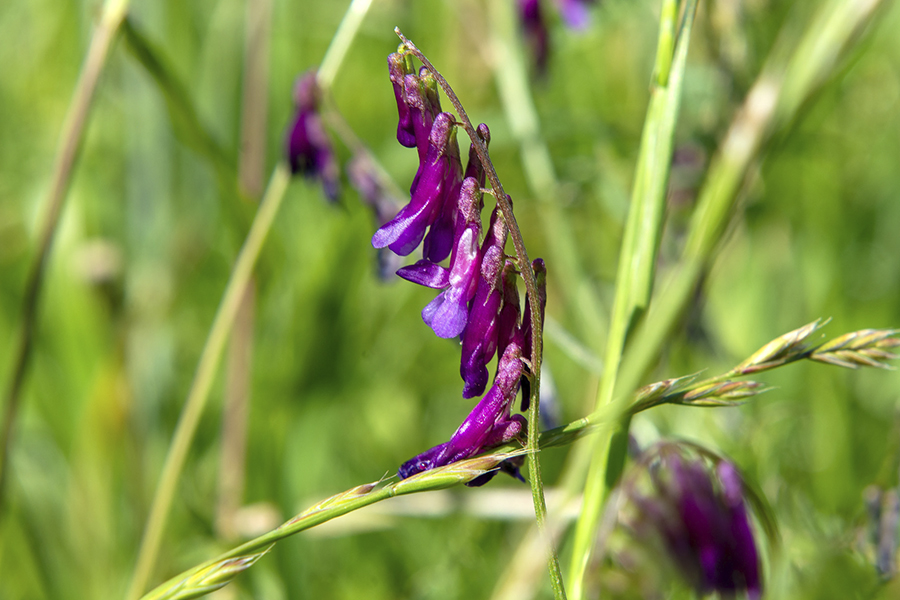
pixel 702 521
pixel 307 145
pixel 478 300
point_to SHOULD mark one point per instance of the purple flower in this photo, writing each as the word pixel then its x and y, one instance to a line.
pixel 307 146
pixel 489 424
pixel 447 314
pixel 400 65
pixel 479 340
pixel 702 521
pixel 436 177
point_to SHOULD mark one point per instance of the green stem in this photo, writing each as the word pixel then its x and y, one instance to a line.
pixel 203 379
pixel 789 78
pixel 634 280
pixel 341 42
pixel 70 143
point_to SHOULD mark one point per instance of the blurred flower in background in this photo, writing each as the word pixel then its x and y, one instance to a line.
pixel 308 148
pixel 693 507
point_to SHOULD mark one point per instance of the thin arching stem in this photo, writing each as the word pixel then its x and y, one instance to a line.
pixel 540 506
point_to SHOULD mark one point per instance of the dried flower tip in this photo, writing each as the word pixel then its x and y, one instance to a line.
pixel 782 350
pixel 864 348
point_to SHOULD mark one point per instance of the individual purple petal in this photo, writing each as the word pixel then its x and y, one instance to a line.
pixel 400 65
pixel 439 241
pixel 404 233
pixel 426 273
pixel 307 146
pixel 447 314
pixel 422 462
pixel 424 106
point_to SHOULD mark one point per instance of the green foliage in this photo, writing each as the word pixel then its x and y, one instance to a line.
pixel 346 381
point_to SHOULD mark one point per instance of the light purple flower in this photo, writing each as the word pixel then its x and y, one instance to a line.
pixel 575 12
pixel 307 146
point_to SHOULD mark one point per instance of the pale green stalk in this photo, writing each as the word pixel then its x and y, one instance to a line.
pixel 212 352
pixel 70 143
pixel 510 69
pixel 637 259
pixel 341 42
pixel 788 81
pixel 203 379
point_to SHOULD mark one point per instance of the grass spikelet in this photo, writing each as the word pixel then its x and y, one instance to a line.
pixel 780 351
pixel 863 348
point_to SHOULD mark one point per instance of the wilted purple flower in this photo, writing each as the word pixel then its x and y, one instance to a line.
pixel 702 521
pixel 436 177
pixel 534 28
pixel 421 96
pixel 489 424
pixel 307 146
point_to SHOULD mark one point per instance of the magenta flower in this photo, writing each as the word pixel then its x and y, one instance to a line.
pixel 489 424
pixel 435 179
pixel 534 29
pixel 307 147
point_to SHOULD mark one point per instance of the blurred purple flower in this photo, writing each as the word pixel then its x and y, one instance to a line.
pixel 307 146
pixel 534 29
pixel 489 424
pixel 702 521
pixel 575 12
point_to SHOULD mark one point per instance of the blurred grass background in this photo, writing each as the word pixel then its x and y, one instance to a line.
pixel 346 381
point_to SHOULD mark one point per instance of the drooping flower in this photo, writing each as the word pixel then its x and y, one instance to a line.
pixel 307 147
pixel 699 515
pixel 435 179
pixel 489 424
